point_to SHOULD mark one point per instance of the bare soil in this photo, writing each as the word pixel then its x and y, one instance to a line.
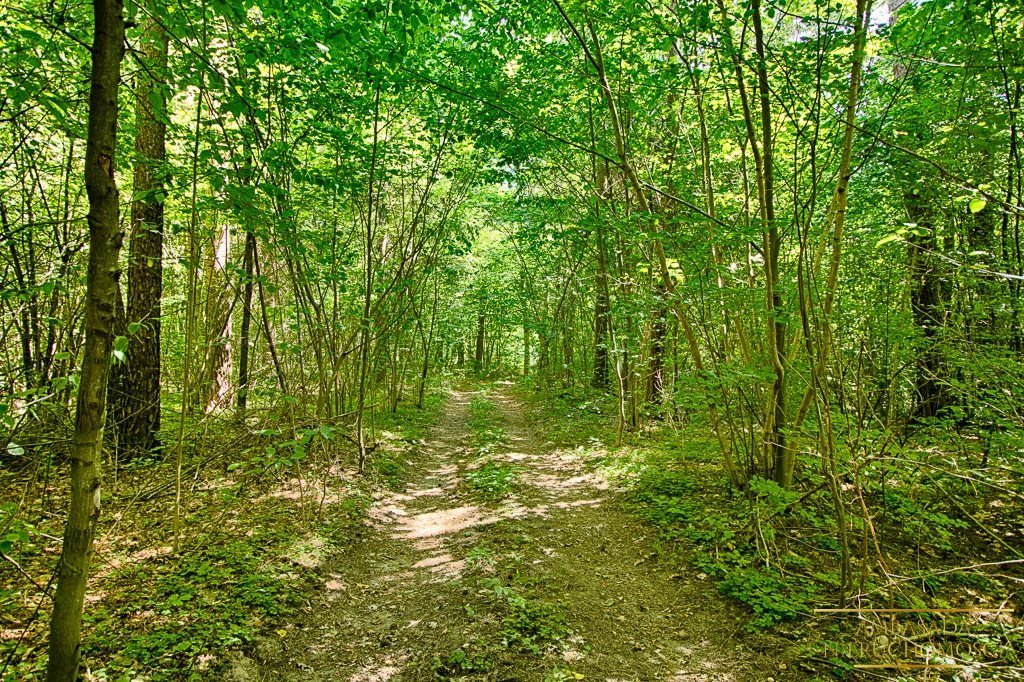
pixel 415 598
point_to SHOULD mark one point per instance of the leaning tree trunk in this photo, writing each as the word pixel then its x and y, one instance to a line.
pixel 141 388
pixel 105 239
pixel 244 338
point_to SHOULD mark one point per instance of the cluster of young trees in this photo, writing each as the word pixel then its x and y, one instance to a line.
pixel 800 220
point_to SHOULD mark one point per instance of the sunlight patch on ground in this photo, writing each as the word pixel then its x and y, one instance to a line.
pixel 596 502
pixel 378 672
pixel 428 492
pixel 308 552
pixel 444 565
pixel 443 522
pixel 307 490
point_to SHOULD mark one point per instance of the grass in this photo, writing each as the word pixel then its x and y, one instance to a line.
pixel 489 477
pixel 493 480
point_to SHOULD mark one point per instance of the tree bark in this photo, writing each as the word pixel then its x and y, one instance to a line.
pixel 602 299
pixel 141 393
pixel 478 357
pixel 105 238
pixel 215 386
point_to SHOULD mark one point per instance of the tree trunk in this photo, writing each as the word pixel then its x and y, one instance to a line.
pixel 927 305
pixel 478 357
pixel 526 349
pixel 105 239
pixel 216 384
pixel 366 330
pixel 243 340
pixel 656 394
pixel 141 395
pixel 602 313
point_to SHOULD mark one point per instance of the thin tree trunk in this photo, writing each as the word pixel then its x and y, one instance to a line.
pixel 243 341
pixel 216 383
pixel 428 344
pixel 105 238
pixel 602 313
pixel 478 357
pixel 364 350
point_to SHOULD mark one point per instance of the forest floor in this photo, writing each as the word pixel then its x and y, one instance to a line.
pixel 504 557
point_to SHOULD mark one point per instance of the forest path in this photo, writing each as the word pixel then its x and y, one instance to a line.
pixel 551 582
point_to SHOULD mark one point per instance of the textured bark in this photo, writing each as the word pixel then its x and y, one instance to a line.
pixel 926 281
pixel 105 239
pixel 141 393
pixel 602 315
pixel 656 385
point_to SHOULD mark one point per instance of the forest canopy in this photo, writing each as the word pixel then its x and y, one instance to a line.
pixel 763 255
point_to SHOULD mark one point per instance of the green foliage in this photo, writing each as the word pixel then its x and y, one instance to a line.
pixel 493 479
pixel 482 412
pixel 671 500
pixel 921 522
pixel 15 533
pixel 387 468
pixel 531 624
pixel 208 601
pixel 560 674
pixel 459 663
pixel 771 597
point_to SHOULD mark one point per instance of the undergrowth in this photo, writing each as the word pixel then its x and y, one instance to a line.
pixel 263 510
pixel 776 551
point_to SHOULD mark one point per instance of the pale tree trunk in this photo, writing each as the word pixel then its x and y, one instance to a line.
pixel 776 457
pixel 216 384
pixel 526 349
pixel 141 388
pixel 105 239
pixel 428 345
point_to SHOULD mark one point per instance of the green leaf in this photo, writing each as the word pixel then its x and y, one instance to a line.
pixel 978 204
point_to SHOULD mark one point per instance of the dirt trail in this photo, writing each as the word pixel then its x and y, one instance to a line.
pixel 416 599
